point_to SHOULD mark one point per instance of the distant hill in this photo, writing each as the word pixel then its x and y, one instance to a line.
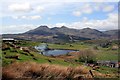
pixel 86 32
pixel 46 34
pixel 42 30
pixel 113 33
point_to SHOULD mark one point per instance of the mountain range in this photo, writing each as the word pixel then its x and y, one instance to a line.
pixel 56 34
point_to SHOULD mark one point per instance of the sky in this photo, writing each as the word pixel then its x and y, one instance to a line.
pixel 18 16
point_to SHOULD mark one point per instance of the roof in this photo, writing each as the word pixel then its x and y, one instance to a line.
pixel 107 61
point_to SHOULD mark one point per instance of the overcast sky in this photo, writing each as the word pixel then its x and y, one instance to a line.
pixel 19 16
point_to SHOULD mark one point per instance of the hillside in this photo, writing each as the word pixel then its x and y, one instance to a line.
pixel 86 32
pixel 64 34
pixel 113 33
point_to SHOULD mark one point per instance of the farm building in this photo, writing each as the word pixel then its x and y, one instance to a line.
pixel 8 40
pixel 113 64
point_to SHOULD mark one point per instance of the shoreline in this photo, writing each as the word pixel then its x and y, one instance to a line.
pixel 62 49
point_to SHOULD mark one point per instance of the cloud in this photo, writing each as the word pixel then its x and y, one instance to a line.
pixel 39 9
pixel 49 18
pixel 33 10
pixel 34 17
pixel 15 17
pixel 89 8
pixel 24 17
pixel 13 29
pixel 60 24
pixel 110 23
pixel 77 13
pixel 108 8
pixel 23 7
pixel 85 9
pixel 107 24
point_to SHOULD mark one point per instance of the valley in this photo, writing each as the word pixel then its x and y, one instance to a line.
pixel 23 51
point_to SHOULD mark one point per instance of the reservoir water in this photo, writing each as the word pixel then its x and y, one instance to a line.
pixel 45 51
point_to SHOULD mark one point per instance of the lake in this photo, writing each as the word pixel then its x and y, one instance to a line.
pixel 55 52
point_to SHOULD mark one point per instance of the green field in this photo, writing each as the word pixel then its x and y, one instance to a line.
pixel 75 46
pixel 102 53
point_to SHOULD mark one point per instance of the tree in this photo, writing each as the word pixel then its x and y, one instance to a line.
pixel 87 56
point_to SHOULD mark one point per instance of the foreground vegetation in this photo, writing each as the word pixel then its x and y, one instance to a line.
pixel 33 71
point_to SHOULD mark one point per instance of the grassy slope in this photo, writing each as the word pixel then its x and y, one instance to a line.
pixel 107 55
pixel 39 58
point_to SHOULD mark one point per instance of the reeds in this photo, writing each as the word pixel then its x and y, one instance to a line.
pixel 35 71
